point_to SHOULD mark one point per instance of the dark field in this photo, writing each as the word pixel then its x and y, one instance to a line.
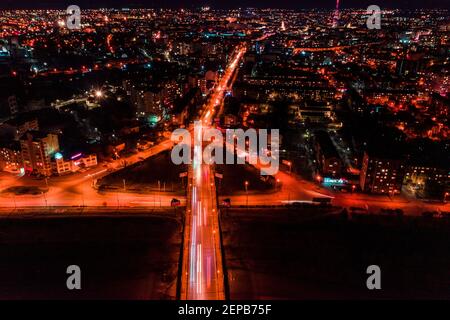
pixel 277 255
pixel 234 177
pixel 120 258
pixel 144 176
pixel 20 190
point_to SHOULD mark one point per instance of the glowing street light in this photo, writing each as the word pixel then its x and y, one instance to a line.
pixel 98 94
pixel 246 190
pixel 290 166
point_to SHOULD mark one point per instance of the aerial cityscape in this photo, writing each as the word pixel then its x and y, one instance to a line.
pixel 209 153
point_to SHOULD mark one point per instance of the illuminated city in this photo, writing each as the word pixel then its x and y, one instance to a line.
pixel 360 98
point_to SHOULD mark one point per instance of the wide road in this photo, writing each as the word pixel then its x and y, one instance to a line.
pixel 205 266
pixel 293 188
pixel 202 263
pixel 77 189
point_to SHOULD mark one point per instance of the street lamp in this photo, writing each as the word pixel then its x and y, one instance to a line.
pixel 246 190
pixel 45 199
pixel 318 178
pixel 392 192
pixel 445 196
pixel 290 166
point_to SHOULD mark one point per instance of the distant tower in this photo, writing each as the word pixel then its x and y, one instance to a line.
pixel 336 15
pixel 283 27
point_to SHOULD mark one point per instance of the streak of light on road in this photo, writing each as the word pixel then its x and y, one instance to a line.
pixel 95 173
pixel 205 275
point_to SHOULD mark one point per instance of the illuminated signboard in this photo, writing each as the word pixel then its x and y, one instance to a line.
pixel 76 156
pixel 327 180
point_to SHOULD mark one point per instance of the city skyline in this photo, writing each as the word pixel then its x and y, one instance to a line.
pixel 232 154
pixel 283 4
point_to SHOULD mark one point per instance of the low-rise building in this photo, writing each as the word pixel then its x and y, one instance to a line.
pixel 63 164
pixel 424 174
pixel 16 127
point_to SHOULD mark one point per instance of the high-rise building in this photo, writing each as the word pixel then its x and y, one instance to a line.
pixel 380 174
pixel 37 150
pixel 11 158
pixel 327 157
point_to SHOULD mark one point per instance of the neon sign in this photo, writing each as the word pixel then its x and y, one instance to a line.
pixel 327 180
pixel 75 156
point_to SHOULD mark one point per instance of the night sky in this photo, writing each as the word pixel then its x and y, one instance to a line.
pixel 11 4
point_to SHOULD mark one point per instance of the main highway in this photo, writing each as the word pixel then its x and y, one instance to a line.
pixel 202 257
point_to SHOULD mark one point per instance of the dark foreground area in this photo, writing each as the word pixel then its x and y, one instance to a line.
pixel 120 258
pixel 235 176
pixel 287 254
pixel 156 173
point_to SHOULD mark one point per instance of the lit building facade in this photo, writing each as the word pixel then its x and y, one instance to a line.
pixel 74 163
pixel 37 149
pixel 381 175
pixel 423 176
pixel 11 159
